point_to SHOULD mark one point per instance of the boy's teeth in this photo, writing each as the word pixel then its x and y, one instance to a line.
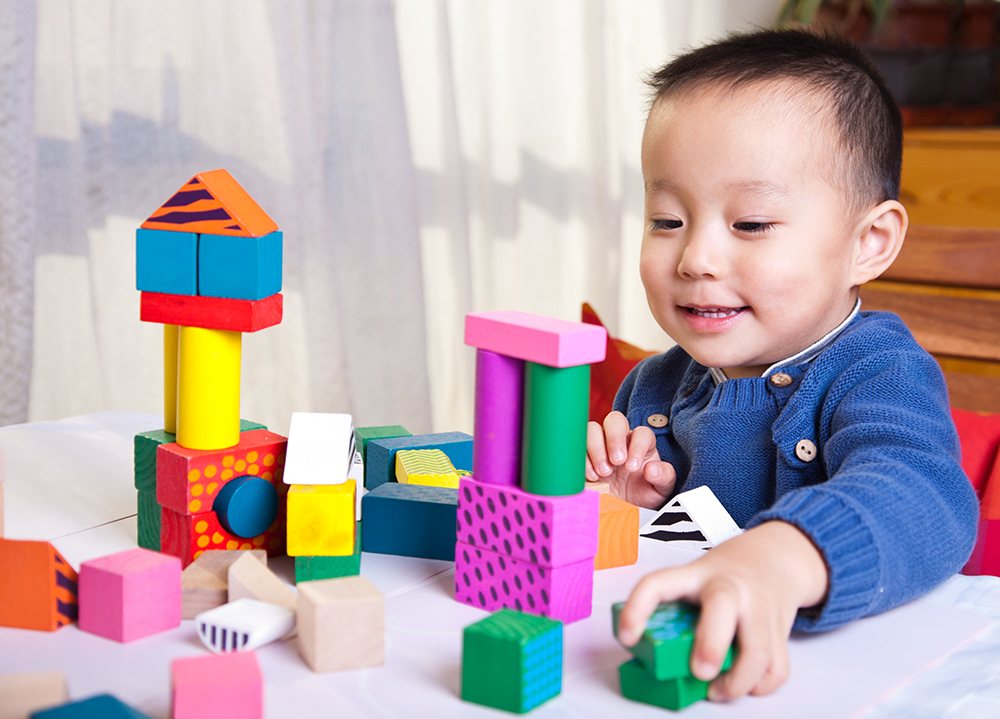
pixel 714 312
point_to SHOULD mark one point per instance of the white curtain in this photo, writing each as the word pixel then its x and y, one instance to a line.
pixel 425 158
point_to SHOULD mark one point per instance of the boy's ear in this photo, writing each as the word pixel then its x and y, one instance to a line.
pixel 878 240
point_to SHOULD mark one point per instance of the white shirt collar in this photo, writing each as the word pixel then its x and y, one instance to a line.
pixel 807 355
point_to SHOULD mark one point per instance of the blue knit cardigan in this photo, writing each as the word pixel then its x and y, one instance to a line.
pixel 883 498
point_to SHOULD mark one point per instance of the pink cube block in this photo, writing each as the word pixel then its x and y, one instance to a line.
pixel 491 581
pixel 545 340
pixel 130 595
pixel 218 686
pixel 543 530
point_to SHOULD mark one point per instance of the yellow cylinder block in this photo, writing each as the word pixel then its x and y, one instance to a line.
pixel 170 378
pixel 208 391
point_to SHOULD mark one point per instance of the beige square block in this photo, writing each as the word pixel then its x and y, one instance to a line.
pixel 249 579
pixel 205 582
pixel 22 694
pixel 341 624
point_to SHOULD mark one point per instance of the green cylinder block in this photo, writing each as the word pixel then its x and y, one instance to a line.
pixel 554 440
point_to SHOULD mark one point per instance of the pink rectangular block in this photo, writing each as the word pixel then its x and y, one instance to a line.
pixel 217 686
pixel 490 581
pixel 535 338
pixel 130 595
pixel 543 530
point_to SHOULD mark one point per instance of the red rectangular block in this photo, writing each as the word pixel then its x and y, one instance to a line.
pixel 985 557
pixel 38 588
pixel 189 480
pixel 187 536
pixel 214 313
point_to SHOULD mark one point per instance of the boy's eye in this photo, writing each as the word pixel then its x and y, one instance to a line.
pixel 666 225
pixel 753 226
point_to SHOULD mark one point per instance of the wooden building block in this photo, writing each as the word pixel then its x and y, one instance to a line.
pixel 205 582
pixel 985 557
pixel 545 340
pixel 320 448
pixel 166 262
pixel 187 536
pixel 512 661
pixel 380 459
pixel 243 625
pixel 310 569
pixel 356 472
pixel 674 694
pixel 341 624
pixel 171 333
pixel 189 480
pixel 664 648
pixel 212 202
pixel 218 685
pixel 321 519
pixel 498 418
pixel 24 693
pixel 492 581
pixel 148 520
pixel 618 533
pixel 38 587
pixel 554 444
pixel 363 435
pixel 130 595
pixel 426 467
pixel 144 457
pixel 546 531
pixel 410 521
pixel 216 313
pixel 245 268
pixel 99 706
pixel 249 578
pixel 208 388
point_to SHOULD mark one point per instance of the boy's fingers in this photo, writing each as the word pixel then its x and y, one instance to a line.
pixel 640 444
pixel 597 455
pixel 776 674
pixel 616 431
pixel 662 586
pixel 716 629
pixel 756 651
pixel 661 476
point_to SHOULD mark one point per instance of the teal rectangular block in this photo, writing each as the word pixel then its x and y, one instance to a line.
pixel 308 569
pixel 380 463
pixel 245 268
pixel 664 648
pixel 166 261
pixel 512 661
pixel 363 435
pixel 148 520
pixel 100 706
pixel 675 694
pixel 410 520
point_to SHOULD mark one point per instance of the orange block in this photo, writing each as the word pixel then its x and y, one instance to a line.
pixel 37 586
pixel 212 203
pixel 618 533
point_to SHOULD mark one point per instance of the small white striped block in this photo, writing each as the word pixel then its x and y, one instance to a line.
pixel 243 625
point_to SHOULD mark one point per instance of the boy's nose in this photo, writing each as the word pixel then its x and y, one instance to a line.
pixel 700 258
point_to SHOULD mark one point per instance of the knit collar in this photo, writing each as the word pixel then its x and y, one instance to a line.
pixel 807 355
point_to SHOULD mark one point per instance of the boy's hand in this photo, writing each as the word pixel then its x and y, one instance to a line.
pixel 750 588
pixel 629 460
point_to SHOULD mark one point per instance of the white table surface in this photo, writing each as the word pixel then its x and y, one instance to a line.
pixel 71 482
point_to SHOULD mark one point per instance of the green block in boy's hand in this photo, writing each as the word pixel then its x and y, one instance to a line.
pixel 675 694
pixel 666 643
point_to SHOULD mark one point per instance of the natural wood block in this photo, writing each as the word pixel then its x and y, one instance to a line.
pixel 38 587
pixel 205 582
pixel 218 685
pixel 25 693
pixel 618 533
pixel 249 578
pixel 321 519
pixel 341 624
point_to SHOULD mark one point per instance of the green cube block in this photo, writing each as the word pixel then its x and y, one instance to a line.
pixel 308 569
pixel 148 520
pixel 246 425
pixel 640 686
pixel 363 435
pixel 145 458
pixel 512 661
pixel 664 648
pixel 554 430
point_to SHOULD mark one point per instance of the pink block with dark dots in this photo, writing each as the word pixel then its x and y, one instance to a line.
pixel 490 581
pixel 547 531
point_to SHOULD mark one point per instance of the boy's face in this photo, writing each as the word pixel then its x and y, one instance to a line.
pixel 748 250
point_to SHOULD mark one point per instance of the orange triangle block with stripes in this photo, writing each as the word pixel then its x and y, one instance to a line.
pixel 212 203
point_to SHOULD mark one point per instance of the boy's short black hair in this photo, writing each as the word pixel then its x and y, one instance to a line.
pixel 866 116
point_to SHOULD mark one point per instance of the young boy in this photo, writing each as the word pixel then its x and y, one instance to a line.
pixel 771 164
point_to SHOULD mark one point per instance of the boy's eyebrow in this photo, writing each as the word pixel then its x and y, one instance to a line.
pixel 760 187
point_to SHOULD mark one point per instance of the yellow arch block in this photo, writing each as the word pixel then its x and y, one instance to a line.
pixel 208 388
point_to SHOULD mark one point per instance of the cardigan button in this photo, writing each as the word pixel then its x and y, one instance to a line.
pixel 805 450
pixel 657 420
pixel 781 379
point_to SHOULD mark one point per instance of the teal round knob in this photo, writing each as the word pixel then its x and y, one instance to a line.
pixel 246 506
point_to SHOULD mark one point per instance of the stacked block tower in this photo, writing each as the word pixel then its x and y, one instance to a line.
pixel 208 266
pixel 526 530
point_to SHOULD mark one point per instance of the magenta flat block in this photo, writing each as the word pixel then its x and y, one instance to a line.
pixel 217 686
pixel 490 581
pixel 130 595
pixel 545 340
pixel 543 530
pixel 496 447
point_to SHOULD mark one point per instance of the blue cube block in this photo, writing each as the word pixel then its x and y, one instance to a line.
pixel 410 520
pixel 380 464
pixel 166 262
pixel 243 268
pixel 100 706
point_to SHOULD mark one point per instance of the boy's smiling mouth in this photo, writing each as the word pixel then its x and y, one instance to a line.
pixel 713 312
